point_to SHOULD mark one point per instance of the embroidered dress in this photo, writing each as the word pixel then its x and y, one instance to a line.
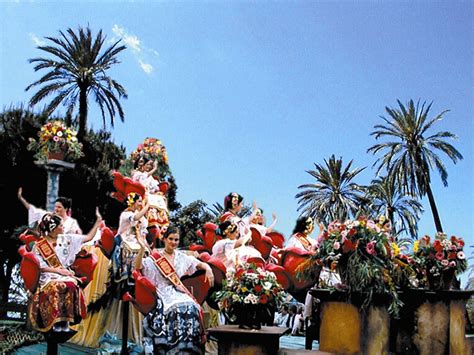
pixel 58 298
pixel 174 325
pixel 126 245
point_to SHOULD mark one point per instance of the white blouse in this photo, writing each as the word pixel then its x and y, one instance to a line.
pixel 183 265
pixel 70 224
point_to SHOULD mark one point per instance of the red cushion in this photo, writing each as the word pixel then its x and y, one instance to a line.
pixel 29 269
pixel 84 266
pixel 145 293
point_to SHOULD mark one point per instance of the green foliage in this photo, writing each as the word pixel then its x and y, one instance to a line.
pixel 190 219
pixel 333 195
pixel 411 152
pixel 77 67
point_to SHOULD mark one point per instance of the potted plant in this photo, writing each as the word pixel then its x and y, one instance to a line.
pixel 56 141
pixel 250 296
pixel 440 260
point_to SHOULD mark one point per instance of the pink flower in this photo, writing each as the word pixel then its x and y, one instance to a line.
pixel 56 138
pixel 452 263
pixel 371 224
pixel 439 256
pixel 370 248
pixel 336 245
pixel 461 255
pixel 444 262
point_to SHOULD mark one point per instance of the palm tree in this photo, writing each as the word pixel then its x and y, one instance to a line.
pixel 403 211
pixel 333 195
pixel 79 68
pixel 410 155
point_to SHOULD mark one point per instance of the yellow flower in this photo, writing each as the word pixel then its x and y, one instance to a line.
pixel 396 249
pixel 244 289
pixel 416 246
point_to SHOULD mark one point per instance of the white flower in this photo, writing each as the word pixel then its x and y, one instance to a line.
pixel 59 133
pixel 251 298
pixel 267 285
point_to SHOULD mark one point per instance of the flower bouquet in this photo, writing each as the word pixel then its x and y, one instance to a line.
pixel 56 141
pixel 250 296
pixel 440 260
pixel 362 251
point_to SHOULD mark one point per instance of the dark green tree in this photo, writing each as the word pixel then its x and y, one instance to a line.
pixel 333 195
pixel 78 68
pixel 190 219
pixel 411 152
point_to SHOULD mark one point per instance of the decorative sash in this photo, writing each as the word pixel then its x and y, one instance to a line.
pixel 304 241
pixel 48 253
pixel 168 271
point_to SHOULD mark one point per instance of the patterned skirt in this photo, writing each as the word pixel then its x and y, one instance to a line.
pixel 173 332
pixel 57 301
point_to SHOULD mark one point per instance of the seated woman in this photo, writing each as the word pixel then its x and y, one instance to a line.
pixel 58 300
pixel 158 214
pixel 132 219
pixel 62 208
pixel 301 234
pixel 258 222
pixel 175 325
pixel 230 250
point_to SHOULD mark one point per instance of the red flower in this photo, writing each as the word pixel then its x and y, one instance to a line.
pixel 276 290
pixel 452 255
pixel 261 277
pixel 258 288
pixel 460 243
pixel 352 231
pixel 263 299
pixel 437 246
pixel 349 245
pixel 239 273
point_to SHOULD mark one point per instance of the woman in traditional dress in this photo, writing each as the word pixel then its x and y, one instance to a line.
pixel 58 300
pixel 175 325
pixel 62 208
pixel 126 244
pixel 226 249
pixel 301 234
pixel 258 222
pixel 158 214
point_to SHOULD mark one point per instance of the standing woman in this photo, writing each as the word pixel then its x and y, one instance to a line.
pixel 62 208
pixel 58 301
pixel 301 234
pixel 175 326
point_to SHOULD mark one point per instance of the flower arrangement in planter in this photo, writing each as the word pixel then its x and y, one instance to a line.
pixel 362 251
pixel 440 260
pixel 250 296
pixel 56 141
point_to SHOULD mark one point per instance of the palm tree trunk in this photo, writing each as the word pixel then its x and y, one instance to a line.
pixel 82 113
pixel 434 209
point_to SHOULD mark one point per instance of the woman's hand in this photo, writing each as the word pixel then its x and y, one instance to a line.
pixel 209 275
pixel 20 193
pixel 98 216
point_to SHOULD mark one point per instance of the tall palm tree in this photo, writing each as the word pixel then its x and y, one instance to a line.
pixel 333 195
pixel 411 154
pixel 78 67
pixel 402 210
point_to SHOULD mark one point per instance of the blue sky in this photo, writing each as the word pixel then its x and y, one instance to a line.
pixel 246 96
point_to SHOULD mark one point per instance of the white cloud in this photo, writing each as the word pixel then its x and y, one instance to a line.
pixel 147 68
pixel 36 40
pixel 130 40
pixel 134 43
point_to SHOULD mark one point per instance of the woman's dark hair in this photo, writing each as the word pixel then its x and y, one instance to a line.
pixel 301 224
pixel 49 223
pixel 228 200
pixel 140 157
pixel 224 226
pixel 170 230
pixel 66 202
